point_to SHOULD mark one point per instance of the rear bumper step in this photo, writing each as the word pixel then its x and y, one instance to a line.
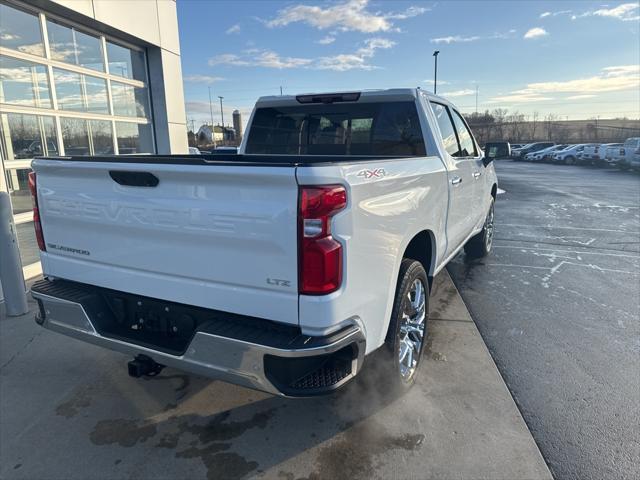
pixel 250 352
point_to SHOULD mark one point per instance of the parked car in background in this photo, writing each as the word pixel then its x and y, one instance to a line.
pixel 595 153
pixel 194 151
pixel 583 157
pixel 612 153
pixel 544 154
pixel 532 147
pixel 629 154
pixel 515 151
pixel 569 155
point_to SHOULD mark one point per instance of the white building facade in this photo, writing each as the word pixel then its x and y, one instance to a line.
pixel 84 77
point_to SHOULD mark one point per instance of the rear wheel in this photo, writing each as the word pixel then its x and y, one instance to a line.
pixel 570 160
pixel 480 245
pixel 400 356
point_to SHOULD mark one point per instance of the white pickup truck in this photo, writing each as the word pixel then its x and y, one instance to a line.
pixel 279 268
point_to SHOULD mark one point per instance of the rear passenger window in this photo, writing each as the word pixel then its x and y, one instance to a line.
pixel 446 129
pixel 467 145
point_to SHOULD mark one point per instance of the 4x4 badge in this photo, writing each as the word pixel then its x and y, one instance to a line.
pixel 376 173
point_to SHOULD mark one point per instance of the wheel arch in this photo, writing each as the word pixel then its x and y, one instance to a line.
pixel 494 191
pixel 422 247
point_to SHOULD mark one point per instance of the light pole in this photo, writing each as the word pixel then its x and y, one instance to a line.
pixel 221 111
pixel 435 72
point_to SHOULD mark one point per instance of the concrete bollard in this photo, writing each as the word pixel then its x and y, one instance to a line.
pixel 11 276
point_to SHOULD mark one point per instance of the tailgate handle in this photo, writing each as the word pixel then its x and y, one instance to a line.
pixel 134 179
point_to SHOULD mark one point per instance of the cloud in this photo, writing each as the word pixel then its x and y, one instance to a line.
pixel 459 93
pixel 233 29
pixel 627 12
pixel 610 79
pixel 554 14
pixel 535 33
pixel 350 15
pixel 473 38
pixel 357 60
pixel 454 39
pixel 326 40
pixel 440 82
pixel 621 70
pixel 519 96
pixel 202 79
pixel 580 97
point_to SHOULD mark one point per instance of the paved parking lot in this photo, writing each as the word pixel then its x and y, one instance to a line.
pixel 558 305
pixel 69 411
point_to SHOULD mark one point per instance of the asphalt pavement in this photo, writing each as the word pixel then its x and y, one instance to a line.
pixel 68 411
pixel 558 305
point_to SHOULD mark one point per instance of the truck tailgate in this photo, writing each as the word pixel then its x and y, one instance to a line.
pixel 215 236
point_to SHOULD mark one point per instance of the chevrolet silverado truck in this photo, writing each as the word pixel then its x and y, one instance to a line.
pixel 278 268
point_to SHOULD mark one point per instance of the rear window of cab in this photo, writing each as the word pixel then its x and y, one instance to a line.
pixel 384 128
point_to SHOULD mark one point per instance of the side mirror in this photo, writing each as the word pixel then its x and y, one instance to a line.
pixel 494 150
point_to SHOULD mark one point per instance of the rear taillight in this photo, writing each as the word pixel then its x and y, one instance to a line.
pixel 320 255
pixel 36 212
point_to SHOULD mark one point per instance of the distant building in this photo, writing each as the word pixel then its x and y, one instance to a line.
pixel 237 123
pixel 206 135
pixel 218 135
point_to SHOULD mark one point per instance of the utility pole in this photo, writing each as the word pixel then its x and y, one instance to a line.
pixel 280 90
pixel 221 111
pixel 435 72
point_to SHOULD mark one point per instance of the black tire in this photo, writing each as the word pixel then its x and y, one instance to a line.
pixel 570 160
pixel 479 245
pixel 389 375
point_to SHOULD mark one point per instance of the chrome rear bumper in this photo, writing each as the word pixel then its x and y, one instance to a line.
pixel 229 359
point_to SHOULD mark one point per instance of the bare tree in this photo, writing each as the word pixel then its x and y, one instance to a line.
pixel 534 124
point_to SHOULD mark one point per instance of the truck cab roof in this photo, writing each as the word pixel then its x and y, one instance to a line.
pixel 363 96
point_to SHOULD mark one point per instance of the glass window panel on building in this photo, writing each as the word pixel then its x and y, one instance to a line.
pixel 24 132
pixel 24 83
pixel 68 90
pixel 126 62
pixel 50 136
pixel 80 93
pixel 134 138
pixel 75 136
pixel 129 101
pixel 28 134
pixel 20 30
pixel 18 183
pixel 96 94
pixel 72 46
pixel 101 137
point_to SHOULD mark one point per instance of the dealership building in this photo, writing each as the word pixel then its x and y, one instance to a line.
pixel 84 77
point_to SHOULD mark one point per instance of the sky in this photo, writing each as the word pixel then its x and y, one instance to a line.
pixel 573 59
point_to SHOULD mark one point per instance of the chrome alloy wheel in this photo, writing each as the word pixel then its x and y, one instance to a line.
pixel 488 225
pixel 412 329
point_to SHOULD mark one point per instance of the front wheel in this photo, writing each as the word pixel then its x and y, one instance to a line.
pixel 570 160
pixel 480 245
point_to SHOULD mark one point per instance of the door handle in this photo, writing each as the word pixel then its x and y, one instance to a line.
pixel 456 180
pixel 476 175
